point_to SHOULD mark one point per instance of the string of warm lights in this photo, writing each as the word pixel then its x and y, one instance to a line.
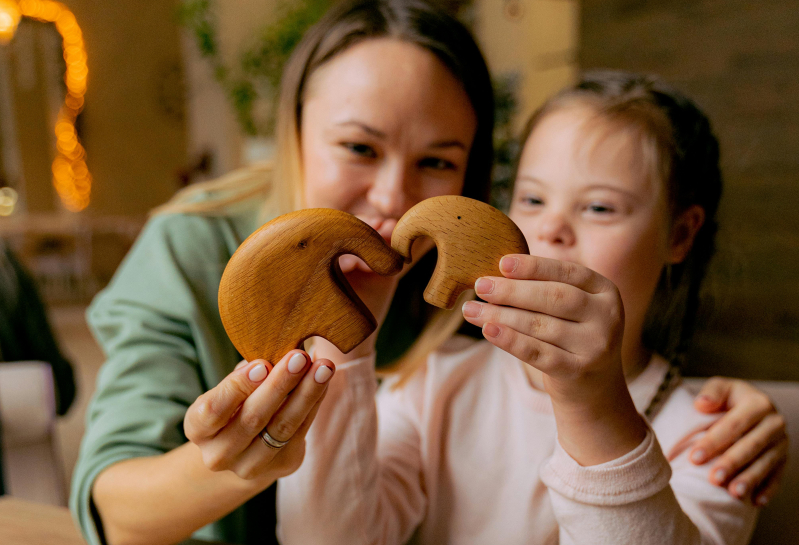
pixel 71 176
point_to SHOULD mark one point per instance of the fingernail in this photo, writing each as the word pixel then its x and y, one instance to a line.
pixel 508 264
pixel 740 489
pixel 323 374
pixel 257 373
pixel 484 286
pixel 297 363
pixel 720 475
pixel 698 456
pixel 705 398
pixel 491 330
pixel 472 309
pixel 762 501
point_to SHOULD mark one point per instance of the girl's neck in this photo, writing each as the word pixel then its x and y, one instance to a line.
pixel 634 360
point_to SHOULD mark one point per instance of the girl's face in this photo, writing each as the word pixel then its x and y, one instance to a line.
pixel 384 126
pixel 582 195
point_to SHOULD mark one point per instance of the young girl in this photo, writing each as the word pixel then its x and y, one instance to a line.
pixel 536 436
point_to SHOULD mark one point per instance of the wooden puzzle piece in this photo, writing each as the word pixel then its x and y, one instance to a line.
pixel 471 237
pixel 284 284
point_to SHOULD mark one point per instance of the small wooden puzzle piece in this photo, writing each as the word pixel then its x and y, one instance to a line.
pixel 471 238
pixel 284 284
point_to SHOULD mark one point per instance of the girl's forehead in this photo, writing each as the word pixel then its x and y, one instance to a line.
pixel 575 144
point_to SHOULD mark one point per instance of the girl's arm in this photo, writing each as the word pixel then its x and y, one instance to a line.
pixel 350 488
pixel 609 480
pixel 164 498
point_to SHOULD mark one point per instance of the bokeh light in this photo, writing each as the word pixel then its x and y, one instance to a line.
pixel 9 19
pixel 71 176
pixel 8 200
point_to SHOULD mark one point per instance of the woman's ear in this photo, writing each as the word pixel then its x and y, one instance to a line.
pixel 684 231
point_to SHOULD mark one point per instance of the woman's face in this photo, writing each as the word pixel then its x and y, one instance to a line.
pixel 385 125
pixel 582 195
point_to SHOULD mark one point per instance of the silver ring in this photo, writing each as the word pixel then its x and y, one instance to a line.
pixel 271 442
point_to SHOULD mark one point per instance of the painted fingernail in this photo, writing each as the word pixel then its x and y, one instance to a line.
pixel 740 489
pixel 257 373
pixel 720 475
pixel 323 374
pixel 484 286
pixel 297 363
pixel 698 456
pixel 472 309
pixel 491 330
pixel 762 501
pixel 508 264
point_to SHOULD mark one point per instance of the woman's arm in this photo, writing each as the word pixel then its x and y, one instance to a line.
pixel 163 499
pixel 750 439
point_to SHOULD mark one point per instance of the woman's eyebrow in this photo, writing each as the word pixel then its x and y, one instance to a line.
pixel 364 127
pixel 448 144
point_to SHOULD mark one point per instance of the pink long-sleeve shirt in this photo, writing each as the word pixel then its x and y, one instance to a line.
pixel 467 452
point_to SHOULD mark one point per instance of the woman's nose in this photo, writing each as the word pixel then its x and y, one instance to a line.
pixel 555 228
pixel 389 193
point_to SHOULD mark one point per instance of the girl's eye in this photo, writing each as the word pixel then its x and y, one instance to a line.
pixel 437 163
pixel 600 208
pixel 362 150
pixel 531 200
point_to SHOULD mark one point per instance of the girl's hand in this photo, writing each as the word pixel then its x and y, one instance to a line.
pixel 226 422
pixel 561 318
pixel 567 321
pixel 750 438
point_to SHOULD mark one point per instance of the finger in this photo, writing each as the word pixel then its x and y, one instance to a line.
pixel 727 430
pixel 768 489
pixel 742 486
pixel 287 420
pixel 259 457
pixel 214 409
pixel 770 431
pixel 259 408
pixel 530 267
pixel 713 395
pixel 537 353
pixel 552 298
pixel 533 324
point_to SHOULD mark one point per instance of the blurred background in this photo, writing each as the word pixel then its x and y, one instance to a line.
pixel 108 108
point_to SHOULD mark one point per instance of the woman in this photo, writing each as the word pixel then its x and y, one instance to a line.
pixel 368 128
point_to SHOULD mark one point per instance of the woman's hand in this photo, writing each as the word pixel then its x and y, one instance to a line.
pixel 227 421
pixel 750 438
pixel 567 321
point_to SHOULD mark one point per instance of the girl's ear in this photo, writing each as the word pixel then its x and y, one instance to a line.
pixel 684 231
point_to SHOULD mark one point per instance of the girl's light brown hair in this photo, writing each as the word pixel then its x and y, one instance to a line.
pixel 679 149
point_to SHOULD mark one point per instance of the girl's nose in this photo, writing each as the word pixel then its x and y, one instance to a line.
pixel 555 229
pixel 389 193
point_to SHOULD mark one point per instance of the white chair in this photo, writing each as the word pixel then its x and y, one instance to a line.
pixel 779 521
pixel 31 464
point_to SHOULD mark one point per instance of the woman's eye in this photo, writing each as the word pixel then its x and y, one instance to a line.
pixel 437 163
pixel 362 150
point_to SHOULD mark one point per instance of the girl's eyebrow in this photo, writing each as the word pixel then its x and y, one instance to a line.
pixel 448 144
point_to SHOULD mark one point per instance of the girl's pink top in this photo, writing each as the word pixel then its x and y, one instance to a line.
pixel 467 452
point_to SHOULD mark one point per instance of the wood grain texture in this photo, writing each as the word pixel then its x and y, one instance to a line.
pixel 284 285
pixel 471 238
